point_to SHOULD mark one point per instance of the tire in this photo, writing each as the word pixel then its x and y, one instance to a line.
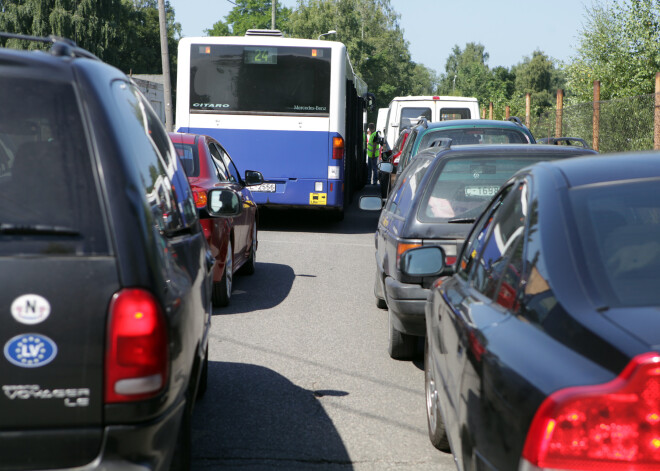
pixel 222 290
pixel 204 375
pixel 401 346
pixel 249 267
pixel 436 426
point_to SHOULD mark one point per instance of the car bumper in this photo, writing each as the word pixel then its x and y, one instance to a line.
pixel 135 447
pixel 407 301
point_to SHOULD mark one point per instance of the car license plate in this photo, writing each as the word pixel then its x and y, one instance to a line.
pixel 264 187
pixel 481 190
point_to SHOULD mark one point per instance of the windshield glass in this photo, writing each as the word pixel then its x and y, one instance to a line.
pixel 48 198
pixel 463 186
pixel 473 135
pixel 619 229
pixel 260 79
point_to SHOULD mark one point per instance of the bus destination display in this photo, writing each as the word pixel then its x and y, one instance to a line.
pixel 260 55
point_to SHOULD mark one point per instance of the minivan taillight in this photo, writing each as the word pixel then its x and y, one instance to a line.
pixel 613 426
pixel 136 357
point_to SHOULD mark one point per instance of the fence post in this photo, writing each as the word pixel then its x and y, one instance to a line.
pixel 507 113
pixel 596 131
pixel 656 121
pixel 560 112
pixel 490 110
pixel 528 109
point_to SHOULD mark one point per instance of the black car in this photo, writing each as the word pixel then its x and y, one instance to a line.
pixel 434 202
pixel 543 348
pixel 104 269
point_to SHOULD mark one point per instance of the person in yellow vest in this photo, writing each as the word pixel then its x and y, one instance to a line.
pixel 373 150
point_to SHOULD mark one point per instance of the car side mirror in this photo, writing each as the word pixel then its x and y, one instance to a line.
pixel 252 177
pixel 223 202
pixel 386 167
pixel 371 203
pixel 423 261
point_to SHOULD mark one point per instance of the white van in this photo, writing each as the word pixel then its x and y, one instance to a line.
pixel 381 120
pixel 405 111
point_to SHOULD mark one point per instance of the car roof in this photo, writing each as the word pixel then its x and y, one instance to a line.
pixel 607 168
pixel 183 137
pixel 503 149
pixel 466 123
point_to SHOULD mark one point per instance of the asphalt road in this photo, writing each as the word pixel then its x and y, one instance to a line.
pixel 299 375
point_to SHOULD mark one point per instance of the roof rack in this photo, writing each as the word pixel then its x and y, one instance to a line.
pixel 444 142
pixel 517 120
pixel 62 47
pixel 264 32
pixel 424 122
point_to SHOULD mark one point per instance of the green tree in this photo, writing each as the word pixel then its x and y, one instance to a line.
pixel 124 33
pixel 250 14
pixel 466 73
pixel 538 76
pixel 620 46
pixel 373 37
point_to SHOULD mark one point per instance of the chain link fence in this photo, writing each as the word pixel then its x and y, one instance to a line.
pixel 625 124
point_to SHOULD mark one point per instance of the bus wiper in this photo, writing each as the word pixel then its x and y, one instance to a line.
pixel 39 229
pixel 461 221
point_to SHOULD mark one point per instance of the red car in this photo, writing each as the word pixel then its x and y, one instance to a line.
pixel 233 241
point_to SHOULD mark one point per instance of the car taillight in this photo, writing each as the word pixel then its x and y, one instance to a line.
pixel 613 426
pixel 337 148
pixel 136 358
pixel 403 247
pixel 200 197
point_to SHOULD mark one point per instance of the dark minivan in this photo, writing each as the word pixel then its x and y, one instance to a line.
pixel 104 272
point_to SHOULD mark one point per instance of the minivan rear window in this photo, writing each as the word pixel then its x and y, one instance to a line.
pixel 49 202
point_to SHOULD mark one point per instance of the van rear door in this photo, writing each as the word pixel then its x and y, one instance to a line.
pixel 57 275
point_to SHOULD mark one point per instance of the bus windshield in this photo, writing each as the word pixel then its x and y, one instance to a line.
pixel 260 79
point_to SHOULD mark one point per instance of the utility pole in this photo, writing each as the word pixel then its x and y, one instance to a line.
pixel 272 22
pixel 165 57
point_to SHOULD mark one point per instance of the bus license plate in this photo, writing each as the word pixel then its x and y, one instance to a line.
pixel 318 198
pixel 481 190
pixel 264 187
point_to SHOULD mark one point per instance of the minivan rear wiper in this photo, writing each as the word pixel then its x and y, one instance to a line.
pixel 39 229
pixel 461 221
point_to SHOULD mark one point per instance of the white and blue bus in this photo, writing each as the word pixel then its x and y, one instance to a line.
pixel 291 108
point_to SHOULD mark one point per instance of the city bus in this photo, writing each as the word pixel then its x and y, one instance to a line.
pixel 293 109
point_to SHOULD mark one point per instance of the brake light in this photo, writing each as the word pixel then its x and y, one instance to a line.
pixel 136 359
pixel 200 197
pixel 337 148
pixel 613 426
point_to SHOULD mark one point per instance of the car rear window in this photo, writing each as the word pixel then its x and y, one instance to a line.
pixel 619 232
pixel 189 158
pixel 474 136
pixel 49 202
pixel 463 186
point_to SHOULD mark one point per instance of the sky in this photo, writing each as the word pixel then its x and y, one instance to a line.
pixel 510 30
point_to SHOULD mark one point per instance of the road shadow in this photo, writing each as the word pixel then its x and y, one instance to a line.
pixel 356 221
pixel 248 293
pixel 253 418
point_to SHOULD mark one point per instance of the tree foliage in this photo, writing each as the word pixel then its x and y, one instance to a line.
pixel 251 14
pixel 124 33
pixel 620 46
pixel 374 39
